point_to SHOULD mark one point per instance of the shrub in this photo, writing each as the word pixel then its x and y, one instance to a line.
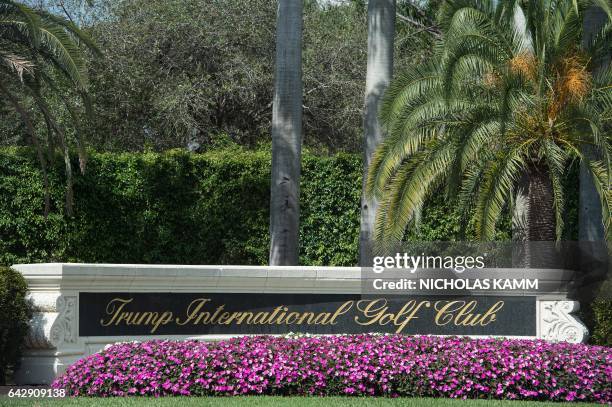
pixel 15 313
pixel 601 332
pixel 182 208
pixel 377 365
pixel 174 207
pixel 597 315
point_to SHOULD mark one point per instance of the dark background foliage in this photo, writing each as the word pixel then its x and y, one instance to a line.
pixel 15 312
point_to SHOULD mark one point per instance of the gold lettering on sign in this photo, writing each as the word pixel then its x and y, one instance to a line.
pixel 371 312
pixel 343 309
pixel 193 312
pixel 115 307
pixel 281 315
pixel 460 313
pixel 377 312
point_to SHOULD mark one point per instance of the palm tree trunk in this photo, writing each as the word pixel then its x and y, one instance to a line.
pixel 381 33
pixel 533 221
pixel 590 225
pixel 286 136
pixel 541 216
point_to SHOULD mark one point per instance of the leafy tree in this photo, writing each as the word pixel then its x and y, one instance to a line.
pixel 178 71
pixel 496 117
pixel 41 55
pixel 198 70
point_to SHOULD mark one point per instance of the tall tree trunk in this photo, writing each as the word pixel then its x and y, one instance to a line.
pixel 381 33
pixel 286 136
pixel 593 250
pixel 590 225
pixel 533 221
pixel 541 222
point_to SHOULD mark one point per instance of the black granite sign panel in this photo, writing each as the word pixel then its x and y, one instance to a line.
pixel 130 314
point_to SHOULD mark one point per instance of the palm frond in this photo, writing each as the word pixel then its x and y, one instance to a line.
pixel 17 64
pixel 500 179
pixel 556 159
pixel 78 34
pixel 409 189
pixel 65 54
pixel 22 13
pixel 603 184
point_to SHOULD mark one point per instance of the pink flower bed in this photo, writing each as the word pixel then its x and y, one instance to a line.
pixel 374 365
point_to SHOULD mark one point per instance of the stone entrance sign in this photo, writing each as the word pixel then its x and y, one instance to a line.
pixel 80 308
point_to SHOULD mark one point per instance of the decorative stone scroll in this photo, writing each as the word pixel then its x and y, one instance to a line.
pixel 64 329
pixel 558 323
pixel 53 322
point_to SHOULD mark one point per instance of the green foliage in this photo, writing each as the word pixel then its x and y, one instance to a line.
pixel 597 316
pixel 329 219
pixel 185 208
pixel 15 313
pixel 177 70
pixel 495 108
pixel 182 70
pixel 601 333
pixel 176 207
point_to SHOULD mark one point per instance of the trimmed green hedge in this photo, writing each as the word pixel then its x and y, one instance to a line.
pixel 184 208
pixel 175 207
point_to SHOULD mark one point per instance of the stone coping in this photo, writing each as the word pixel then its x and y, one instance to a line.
pixel 553 283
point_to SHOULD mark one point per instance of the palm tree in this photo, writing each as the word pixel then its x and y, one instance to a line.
pixel 286 136
pixel 41 54
pixel 499 112
pixel 381 32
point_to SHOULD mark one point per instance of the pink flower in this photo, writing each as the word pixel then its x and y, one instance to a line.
pixel 391 365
